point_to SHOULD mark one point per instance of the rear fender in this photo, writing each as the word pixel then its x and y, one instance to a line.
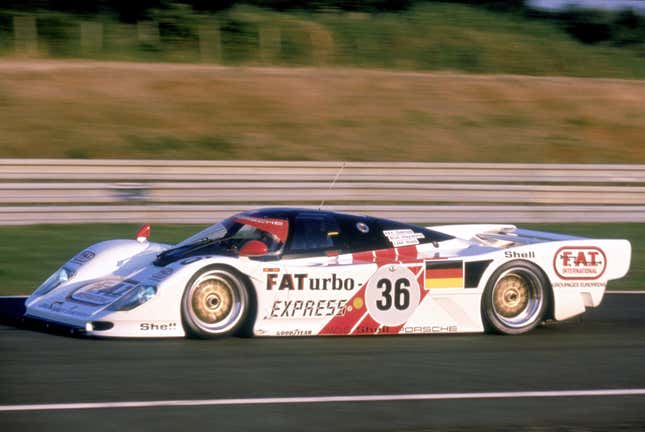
pixel 580 270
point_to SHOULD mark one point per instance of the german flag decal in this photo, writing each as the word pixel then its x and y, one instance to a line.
pixel 444 274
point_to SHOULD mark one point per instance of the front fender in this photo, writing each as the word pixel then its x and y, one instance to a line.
pixel 112 257
pixel 161 315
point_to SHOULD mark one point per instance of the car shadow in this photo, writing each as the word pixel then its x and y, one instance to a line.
pixel 12 314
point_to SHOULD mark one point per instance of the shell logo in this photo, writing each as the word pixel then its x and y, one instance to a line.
pixel 580 262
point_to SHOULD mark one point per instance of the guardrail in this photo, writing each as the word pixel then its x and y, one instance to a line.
pixel 148 170
pixel 74 191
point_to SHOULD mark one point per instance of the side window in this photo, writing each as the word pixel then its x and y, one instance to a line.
pixel 314 233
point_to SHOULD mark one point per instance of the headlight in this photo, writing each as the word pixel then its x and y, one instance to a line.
pixel 136 297
pixel 59 277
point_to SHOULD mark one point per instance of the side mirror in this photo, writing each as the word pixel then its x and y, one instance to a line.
pixel 253 248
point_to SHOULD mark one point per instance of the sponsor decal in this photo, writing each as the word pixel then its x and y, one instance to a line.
pixel 430 329
pixel 104 291
pixel 307 308
pixel 295 332
pixel 361 329
pixel 579 262
pixel 302 281
pixel 63 307
pixel 403 237
pixel 444 274
pixel 391 295
pixel 83 257
pixel 579 284
pixel 515 254
pixel 151 326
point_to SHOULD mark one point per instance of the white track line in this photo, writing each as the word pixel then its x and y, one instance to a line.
pixel 624 292
pixel 323 399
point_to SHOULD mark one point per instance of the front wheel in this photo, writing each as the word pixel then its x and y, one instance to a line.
pixel 515 299
pixel 215 303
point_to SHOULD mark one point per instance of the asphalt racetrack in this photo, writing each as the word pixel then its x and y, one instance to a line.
pixel 603 351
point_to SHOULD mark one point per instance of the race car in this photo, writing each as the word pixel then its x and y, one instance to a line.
pixel 302 272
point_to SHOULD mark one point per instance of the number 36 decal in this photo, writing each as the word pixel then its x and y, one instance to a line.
pixel 401 294
pixel 392 294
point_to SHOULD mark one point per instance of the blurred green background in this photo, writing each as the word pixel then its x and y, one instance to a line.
pixel 474 36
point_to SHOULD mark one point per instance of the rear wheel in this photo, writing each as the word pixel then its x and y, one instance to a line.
pixel 215 303
pixel 515 299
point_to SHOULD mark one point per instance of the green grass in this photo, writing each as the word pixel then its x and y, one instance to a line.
pixel 84 109
pixel 29 254
pixel 432 36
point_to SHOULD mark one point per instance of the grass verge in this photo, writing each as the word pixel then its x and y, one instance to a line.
pixel 73 109
pixel 29 254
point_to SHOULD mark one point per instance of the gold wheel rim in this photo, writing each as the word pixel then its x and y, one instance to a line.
pixel 212 301
pixel 511 296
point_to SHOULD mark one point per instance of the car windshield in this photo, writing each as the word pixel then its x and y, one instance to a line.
pixel 213 232
pixel 237 230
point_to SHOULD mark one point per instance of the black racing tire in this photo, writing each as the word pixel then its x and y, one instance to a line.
pixel 515 299
pixel 216 303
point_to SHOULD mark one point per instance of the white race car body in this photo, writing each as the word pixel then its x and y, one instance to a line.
pixel 410 287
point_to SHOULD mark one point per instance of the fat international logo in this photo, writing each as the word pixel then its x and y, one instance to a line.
pixel 580 262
